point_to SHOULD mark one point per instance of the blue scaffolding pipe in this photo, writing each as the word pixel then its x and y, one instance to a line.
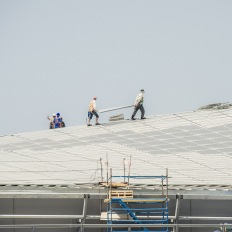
pixel 143 177
pixel 142 209
pixel 138 230
pixel 139 221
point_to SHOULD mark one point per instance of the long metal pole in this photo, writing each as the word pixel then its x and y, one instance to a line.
pixel 115 108
pixel 24 216
pixel 45 226
pixel 85 203
pixel 94 217
pixel 111 198
pixel 176 229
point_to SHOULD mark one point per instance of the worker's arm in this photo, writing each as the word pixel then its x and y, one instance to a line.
pixel 94 106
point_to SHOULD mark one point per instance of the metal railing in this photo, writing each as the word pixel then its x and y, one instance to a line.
pixel 94 217
pixel 113 226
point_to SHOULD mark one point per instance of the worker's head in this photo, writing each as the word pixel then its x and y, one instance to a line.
pixel 95 98
pixel 142 90
pixel 54 115
pixel 58 114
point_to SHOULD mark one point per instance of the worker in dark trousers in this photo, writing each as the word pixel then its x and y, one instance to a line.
pixel 139 105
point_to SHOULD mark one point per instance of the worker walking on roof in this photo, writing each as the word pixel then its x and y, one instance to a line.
pixel 139 105
pixel 92 111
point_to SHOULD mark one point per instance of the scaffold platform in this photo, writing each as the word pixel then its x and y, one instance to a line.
pixel 123 208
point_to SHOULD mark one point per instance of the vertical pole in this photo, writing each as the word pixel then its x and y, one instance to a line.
pixel 107 168
pixel 166 206
pixel 101 170
pixel 162 181
pixel 223 228
pixel 110 181
pixel 108 195
pixel 167 182
pixel 124 169
pixel 129 171
pixel 178 197
pixel 111 198
pixel 86 197
pixel 190 212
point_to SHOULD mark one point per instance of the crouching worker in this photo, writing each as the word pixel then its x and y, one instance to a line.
pixel 92 111
pixel 58 121
pixel 62 124
pixel 51 124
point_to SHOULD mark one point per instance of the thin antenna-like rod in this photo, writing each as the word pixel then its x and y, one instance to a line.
pixel 107 169
pixel 101 169
pixel 111 196
pixel 110 181
pixel 124 169
pixel 167 182
pixel 129 170
pixel 162 181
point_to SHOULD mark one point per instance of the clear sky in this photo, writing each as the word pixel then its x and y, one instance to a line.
pixel 55 55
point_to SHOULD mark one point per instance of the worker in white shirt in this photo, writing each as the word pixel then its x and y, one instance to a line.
pixel 51 125
pixel 139 105
pixel 92 111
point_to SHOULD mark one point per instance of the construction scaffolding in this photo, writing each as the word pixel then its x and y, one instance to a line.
pixel 123 208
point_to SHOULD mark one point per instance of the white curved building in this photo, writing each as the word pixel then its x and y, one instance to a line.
pixel 49 173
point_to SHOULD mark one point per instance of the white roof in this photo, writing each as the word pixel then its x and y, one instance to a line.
pixel 196 147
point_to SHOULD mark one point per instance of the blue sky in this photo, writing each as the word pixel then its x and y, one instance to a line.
pixel 56 55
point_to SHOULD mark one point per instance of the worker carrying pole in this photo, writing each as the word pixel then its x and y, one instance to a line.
pixel 92 111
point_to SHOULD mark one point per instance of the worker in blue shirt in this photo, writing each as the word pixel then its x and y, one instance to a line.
pixel 57 121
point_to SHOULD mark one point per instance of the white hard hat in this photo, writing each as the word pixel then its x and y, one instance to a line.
pixel 54 115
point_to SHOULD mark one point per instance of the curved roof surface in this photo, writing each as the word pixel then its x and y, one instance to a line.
pixel 196 147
